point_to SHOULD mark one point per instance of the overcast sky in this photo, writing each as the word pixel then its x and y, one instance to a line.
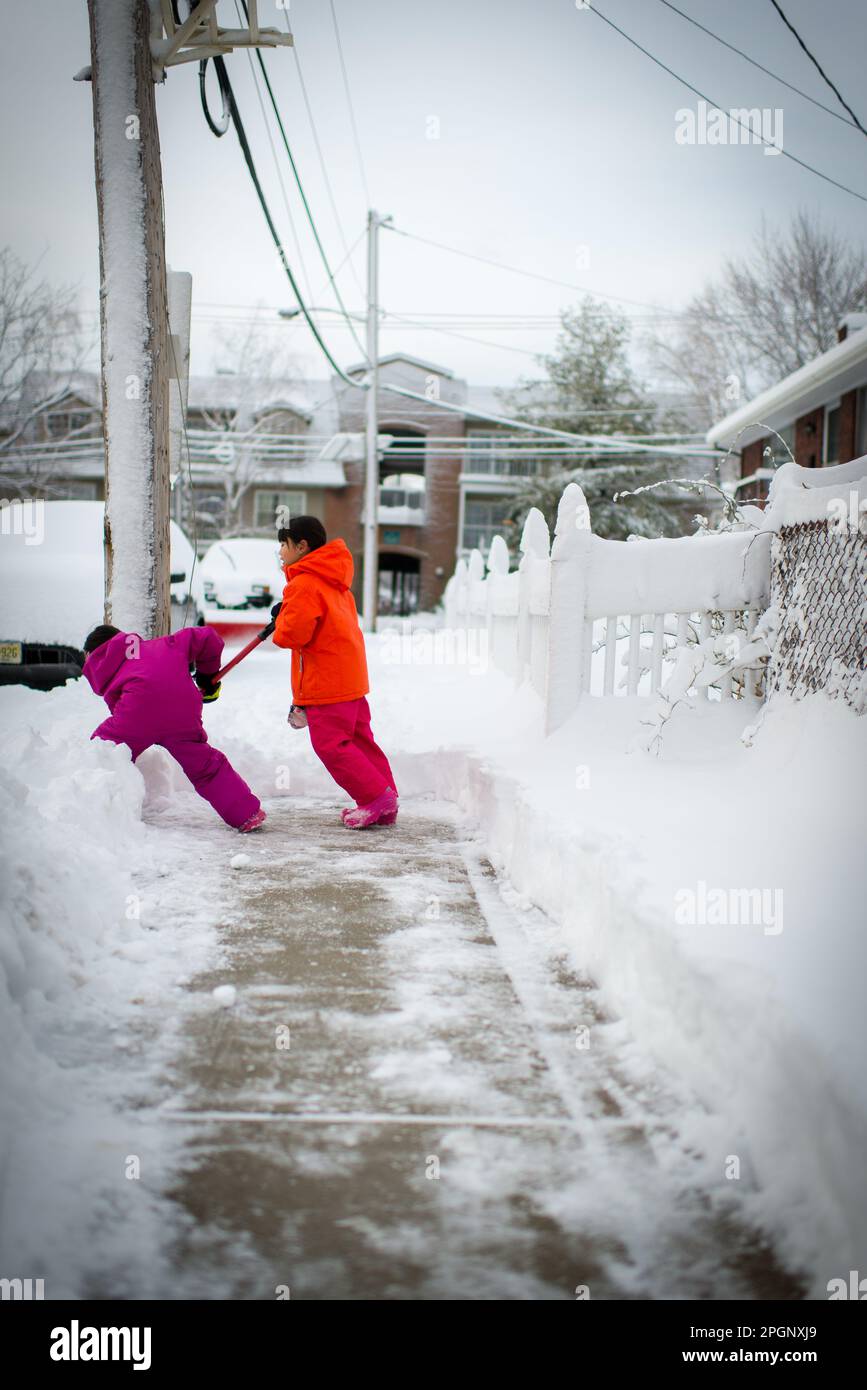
pixel 556 153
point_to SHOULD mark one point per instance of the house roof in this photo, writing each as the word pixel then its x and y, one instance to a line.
pixel 840 369
pixel 419 362
pixel 253 395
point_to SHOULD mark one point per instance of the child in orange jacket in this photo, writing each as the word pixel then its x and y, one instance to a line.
pixel 319 621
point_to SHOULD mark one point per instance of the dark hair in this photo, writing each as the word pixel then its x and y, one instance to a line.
pixel 304 528
pixel 100 634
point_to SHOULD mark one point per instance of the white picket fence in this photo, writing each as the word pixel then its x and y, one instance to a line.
pixel 581 611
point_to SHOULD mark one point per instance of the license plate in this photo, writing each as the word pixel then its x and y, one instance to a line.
pixel 10 653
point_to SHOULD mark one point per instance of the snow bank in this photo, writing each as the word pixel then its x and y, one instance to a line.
pixel 763 1019
pixel 79 956
pixel 765 1025
pixel 767 1028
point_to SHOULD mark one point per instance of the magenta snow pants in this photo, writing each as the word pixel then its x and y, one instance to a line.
pixel 208 769
pixel 342 739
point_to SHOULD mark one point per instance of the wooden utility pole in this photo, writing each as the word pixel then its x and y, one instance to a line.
pixel 132 43
pixel 133 318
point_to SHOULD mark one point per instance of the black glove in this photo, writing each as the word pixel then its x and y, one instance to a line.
pixel 275 611
pixel 210 691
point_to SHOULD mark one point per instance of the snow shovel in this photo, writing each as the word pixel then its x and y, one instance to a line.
pixel 245 651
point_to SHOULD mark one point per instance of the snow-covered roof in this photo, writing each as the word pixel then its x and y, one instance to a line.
pixel 254 395
pixel 308 473
pixel 82 386
pixel 420 362
pixel 840 369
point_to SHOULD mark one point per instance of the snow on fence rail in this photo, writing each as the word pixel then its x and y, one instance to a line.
pixel 591 616
pixel 576 611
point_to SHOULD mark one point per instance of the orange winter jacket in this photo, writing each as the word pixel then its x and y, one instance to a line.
pixel 319 621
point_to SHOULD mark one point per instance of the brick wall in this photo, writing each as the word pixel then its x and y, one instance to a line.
pixel 808 438
pixel 848 420
pixel 434 543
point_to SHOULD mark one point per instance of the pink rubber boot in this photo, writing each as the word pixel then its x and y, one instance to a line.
pixel 388 818
pixel 253 822
pixel 382 811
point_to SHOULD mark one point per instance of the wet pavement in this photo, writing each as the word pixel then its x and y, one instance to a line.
pixel 414 1096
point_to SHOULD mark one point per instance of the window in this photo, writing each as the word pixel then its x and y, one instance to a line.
pixel 487 453
pixel 59 424
pixel 401 497
pixel 832 435
pixel 267 503
pixel 780 453
pixel 484 519
pixel 76 491
pixel 402 490
pixel 861 423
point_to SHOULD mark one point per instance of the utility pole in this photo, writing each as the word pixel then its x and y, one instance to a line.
pixel 371 472
pixel 132 43
pixel 133 318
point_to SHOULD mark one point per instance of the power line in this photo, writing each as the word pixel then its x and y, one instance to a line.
pixel 232 106
pixel 428 319
pixel 775 75
pixel 349 104
pixel 405 322
pixel 331 280
pixel 321 157
pixel 818 66
pixel 787 153
pixel 611 445
pixel 517 270
pixel 277 168
pixel 455 319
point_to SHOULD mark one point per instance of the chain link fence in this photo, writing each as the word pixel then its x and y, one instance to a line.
pixel 819 595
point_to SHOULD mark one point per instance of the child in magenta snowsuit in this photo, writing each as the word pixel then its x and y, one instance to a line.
pixel 153 699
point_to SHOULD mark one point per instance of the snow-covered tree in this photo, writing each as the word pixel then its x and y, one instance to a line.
pixel 767 314
pixel 642 515
pixel 41 347
pixel 590 386
pixel 263 372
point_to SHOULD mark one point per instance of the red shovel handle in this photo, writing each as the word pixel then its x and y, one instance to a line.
pixel 245 651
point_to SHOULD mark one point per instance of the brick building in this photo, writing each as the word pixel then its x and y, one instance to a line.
pixel 818 412
pixel 446 479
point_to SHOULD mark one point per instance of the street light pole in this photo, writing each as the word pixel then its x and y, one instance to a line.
pixel 371 472
pixel 371 429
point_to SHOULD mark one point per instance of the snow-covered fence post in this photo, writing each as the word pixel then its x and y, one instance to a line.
pixel 534 594
pixel 456 597
pixel 570 562
pixel 502 595
pixel 477 601
pixel 450 598
pixel 133 317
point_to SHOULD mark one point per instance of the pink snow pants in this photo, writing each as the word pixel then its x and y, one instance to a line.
pixel 342 739
pixel 208 769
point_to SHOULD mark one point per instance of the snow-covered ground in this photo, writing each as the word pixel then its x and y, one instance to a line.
pixel 761 1022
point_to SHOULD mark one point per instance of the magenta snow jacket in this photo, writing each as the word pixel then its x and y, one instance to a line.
pixel 147 685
